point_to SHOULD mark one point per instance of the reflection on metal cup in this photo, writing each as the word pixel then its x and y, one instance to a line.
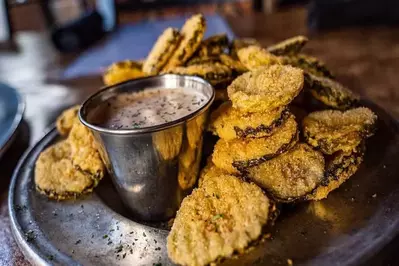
pixel 152 168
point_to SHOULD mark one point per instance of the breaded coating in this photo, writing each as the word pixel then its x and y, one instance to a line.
pixel 332 130
pixel 192 31
pixel 84 151
pixel 289 46
pixel 66 120
pixel 56 176
pixel 235 156
pixel 213 73
pixel 235 65
pixel 253 57
pixel 210 171
pixel 162 50
pixel 168 142
pixel 219 218
pixel 292 175
pixel 340 167
pixel 230 123
pixel 237 44
pixel 266 88
pixel 189 160
pixel 200 60
pixel 309 64
pixel 122 71
pixel 330 92
pixel 213 45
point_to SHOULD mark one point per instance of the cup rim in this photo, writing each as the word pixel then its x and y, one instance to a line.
pixel 134 131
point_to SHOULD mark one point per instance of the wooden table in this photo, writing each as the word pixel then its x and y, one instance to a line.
pixel 364 59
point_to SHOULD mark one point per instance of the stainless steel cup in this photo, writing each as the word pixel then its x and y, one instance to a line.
pixel 152 168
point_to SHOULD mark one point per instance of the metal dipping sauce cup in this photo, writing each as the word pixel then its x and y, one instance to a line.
pixel 154 167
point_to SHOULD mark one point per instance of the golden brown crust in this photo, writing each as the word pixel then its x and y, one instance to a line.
pixel 237 44
pixel 292 175
pixel 66 120
pixel 253 57
pixel 193 32
pixel 340 168
pixel 56 176
pixel 122 71
pixel 213 45
pixel 235 65
pixel 289 46
pixel 266 88
pixel 84 151
pixel 162 50
pixel 234 156
pixel 210 223
pixel 309 64
pixel 230 123
pixel 333 130
pixel 330 92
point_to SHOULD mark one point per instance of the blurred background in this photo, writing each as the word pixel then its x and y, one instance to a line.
pixel 52 53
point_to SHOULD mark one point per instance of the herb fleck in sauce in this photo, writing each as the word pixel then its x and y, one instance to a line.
pixel 151 107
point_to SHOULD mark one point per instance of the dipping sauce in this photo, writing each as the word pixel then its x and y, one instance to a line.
pixel 151 107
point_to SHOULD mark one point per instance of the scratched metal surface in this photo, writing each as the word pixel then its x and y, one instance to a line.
pixel 353 224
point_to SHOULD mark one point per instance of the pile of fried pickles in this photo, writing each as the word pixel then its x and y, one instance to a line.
pixel 288 132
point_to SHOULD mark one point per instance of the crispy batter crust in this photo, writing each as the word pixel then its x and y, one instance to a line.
pixel 210 171
pixel 235 65
pixel 122 71
pixel 162 50
pixel 291 175
pixel 289 46
pixel 234 156
pixel 66 120
pixel 330 92
pixel 214 45
pixel 230 123
pixel 210 223
pixel 193 32
pixel 213 73
pixel 56 176
pixel 253 57
pixel 309 64
pixel 340 168
pixel 84 151
pixel 332 130
pixel 237 44
pixel 266 88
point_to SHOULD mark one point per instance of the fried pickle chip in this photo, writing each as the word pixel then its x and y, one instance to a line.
pixel 289 46
pixel 211 224
pixel 253 57
pixel 237 44
pixel 122 71
pixel 56 176
pixel 213 73
pixel 235 156
pixel 235 65
pixel 309 64
pixel 162 50
pixel 200 60
pixel 292 175
pixel 333 130
pixel 230 123
pixel 168 142
pixel 340 167
pixel 193 32
pixel 331 93
pixel 210 171
pixel 84 151
pixel 213 45
pixel 266 88
pixel 66 120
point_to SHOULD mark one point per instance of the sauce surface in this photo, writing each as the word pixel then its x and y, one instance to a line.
pixel 151 107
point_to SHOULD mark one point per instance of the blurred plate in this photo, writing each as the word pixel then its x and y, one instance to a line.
pixel 348 228
pixel 11 112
